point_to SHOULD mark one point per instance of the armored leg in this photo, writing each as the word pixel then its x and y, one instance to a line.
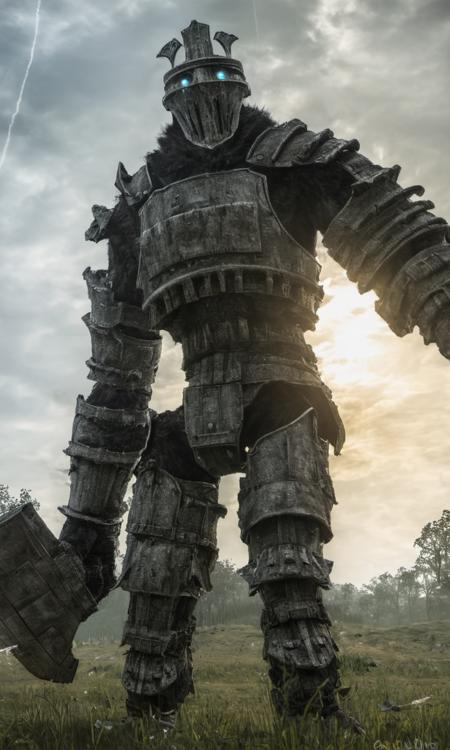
pixel 285 503
pixel 170 554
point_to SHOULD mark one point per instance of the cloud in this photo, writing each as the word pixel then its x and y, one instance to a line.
pixel 376 71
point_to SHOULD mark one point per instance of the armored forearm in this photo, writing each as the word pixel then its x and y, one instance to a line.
pixel 111 428
pixel 395 246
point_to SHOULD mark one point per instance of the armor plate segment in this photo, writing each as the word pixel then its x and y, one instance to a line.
pixel 300 645
pixel 43 596
pixel 213 416
pixel 164 507
pixel 286 561
pixel 215 234
pixel 293 145
pixel 287 474
pixel 171 551
pixel 172 540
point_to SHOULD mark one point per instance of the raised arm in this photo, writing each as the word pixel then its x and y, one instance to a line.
pixel 385 241
pixel 111 427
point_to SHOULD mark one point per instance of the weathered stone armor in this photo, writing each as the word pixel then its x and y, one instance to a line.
pixel 213 240
pixel 171 551
pixel 285 501
pixel 385 241
pixel 220 272
pixel 112 426
pixel 287 475
pixel 125 362
pixel 216 234
pixel 43 596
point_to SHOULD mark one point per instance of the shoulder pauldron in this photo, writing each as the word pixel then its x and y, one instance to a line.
pixel 134 188
pixel 293 145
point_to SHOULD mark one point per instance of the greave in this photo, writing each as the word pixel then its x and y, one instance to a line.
pixel 297 641
pixel 285 503
pixel 170 554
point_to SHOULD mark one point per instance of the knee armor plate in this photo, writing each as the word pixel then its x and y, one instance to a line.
pixel 172 527
pixel 287 474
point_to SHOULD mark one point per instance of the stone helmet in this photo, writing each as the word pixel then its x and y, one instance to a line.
pixel 205 92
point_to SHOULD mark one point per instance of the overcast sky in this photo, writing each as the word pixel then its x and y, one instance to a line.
pixel 378 71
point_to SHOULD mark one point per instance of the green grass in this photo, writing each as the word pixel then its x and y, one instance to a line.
pixel 231 708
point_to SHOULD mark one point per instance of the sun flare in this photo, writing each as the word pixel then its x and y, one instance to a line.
pixel 348 334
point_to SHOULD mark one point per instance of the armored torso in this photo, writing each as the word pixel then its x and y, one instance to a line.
pixel 220 272
pixel 217 234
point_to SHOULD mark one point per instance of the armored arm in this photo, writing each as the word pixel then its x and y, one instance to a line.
pixel 111 426
pixel 385 241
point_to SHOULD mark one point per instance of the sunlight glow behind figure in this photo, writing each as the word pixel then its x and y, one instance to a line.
pixel 351 348
pixel 22 88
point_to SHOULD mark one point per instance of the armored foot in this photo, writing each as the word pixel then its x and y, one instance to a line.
pixel 344 721
pixel 143 707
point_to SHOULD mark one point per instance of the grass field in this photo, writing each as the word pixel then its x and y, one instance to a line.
pixel 231 708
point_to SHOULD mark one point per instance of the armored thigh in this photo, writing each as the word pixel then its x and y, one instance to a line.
pixel 284 510
pixel 171 552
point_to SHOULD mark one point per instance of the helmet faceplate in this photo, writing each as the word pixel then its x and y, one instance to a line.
pixel 205 92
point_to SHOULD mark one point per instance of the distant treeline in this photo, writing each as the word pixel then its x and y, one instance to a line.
pixel 412 594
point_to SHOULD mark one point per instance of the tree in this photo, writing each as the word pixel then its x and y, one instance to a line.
pixel 8 502
pixel 386 597
pixel 433 561
pixel 434 545
pixel 229 599
pixel 342 601
pixel 409 588
pixel 428 586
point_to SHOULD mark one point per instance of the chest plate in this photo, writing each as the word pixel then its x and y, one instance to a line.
pixel 217 234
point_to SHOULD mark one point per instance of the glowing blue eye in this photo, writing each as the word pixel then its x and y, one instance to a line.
pixel 221 75
pixel 186 81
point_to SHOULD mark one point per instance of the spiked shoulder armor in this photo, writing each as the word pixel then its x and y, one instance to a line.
pixel 134 188
pixel 293 145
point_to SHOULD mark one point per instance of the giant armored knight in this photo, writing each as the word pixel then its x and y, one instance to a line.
pixel 213 240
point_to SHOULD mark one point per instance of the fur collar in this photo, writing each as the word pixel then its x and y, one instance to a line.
pixel 177 158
